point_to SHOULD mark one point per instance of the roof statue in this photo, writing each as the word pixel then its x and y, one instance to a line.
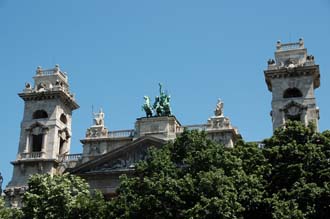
pixel 147 107
pixel 99 118
pixel 219 109
pixel 161 106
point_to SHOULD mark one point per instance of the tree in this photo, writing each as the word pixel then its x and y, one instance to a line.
pixel 192 177
pixel 299 174
pixel 196 178
pixel 9 213
pixel 61 196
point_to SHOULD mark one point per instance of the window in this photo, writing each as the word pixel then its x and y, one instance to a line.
pixel 40 114
pixel 294 117
pixel 63 119
pixel 292 92
pixel 60 151
pixel 37 142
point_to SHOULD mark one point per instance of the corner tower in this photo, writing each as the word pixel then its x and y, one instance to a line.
pixel 292 78
pixel 45 129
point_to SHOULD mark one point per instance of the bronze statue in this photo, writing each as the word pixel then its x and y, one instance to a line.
pixel 161 105
pixel 167 107
pixel 147 107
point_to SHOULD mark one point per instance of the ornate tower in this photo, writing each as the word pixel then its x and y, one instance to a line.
pixel 292 78
pixel 45 129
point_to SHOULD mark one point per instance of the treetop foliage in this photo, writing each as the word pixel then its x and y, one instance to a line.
pixel 193 177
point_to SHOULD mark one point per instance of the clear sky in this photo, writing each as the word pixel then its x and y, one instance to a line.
pixel 116 51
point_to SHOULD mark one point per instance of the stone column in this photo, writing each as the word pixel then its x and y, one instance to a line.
pixel 27 145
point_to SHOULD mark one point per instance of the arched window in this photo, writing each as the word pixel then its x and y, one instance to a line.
pixel 292 92
pixel 63 119
pixel 62 142
pixel 40 114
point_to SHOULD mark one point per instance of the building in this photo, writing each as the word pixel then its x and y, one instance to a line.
pixel 292 78
pixel 44 145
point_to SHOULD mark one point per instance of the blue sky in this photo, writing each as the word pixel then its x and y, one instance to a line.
pixel 116 51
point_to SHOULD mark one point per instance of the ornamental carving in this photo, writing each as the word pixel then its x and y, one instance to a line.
pixel 97 132
pixel 125 162
pixel 219 123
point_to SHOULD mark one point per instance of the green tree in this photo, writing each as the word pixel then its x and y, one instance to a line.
pixel 299 175
pixel 9 213
pixel 289 177
pixel 61 197
pixel 192 177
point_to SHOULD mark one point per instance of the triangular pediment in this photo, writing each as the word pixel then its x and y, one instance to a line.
pixel 121 159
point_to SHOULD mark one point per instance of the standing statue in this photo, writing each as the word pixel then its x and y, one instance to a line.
pixel 219 109
pixel 147 107
pixel 1 180
pixel 99 118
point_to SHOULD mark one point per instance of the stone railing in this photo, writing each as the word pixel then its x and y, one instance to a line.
pixel 69 157
pixel 199 127
pixel 204 127
pixel 52 71
pixel 121 133
pixel 47 72
pixel 290 46
pixel 32 155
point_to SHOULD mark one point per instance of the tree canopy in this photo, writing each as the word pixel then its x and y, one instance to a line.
pixel 65 197
pixel 193 177
pixel 285 177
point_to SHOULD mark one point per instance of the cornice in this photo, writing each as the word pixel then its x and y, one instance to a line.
pixel 49 95
pixel 293 72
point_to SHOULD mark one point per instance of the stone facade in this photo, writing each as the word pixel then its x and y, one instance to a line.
pixel 108 154
pixel 45 129
pixel 292 78
pixel 44 145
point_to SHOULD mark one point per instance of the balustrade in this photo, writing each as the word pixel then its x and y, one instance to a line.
pixel 121 133
pixel 199 127
pixel 32 155
pixel 289 46
pixel 70 157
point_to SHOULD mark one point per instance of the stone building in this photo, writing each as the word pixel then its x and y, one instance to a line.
pixel 44 145
pixel 45 129
pixel 292 78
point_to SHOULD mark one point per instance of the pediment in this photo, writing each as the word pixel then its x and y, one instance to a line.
pixel 121 159
pixel 293 104
pixel 37 124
